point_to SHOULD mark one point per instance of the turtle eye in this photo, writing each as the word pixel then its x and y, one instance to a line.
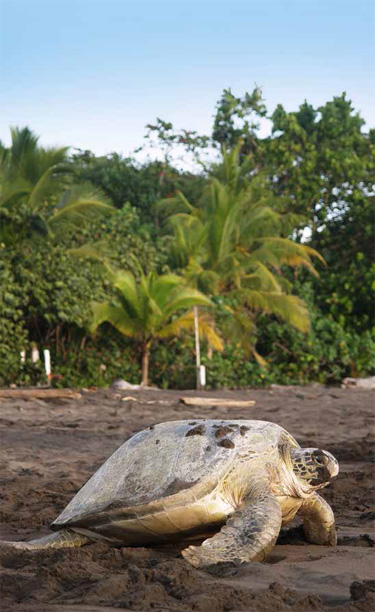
pixel 319 460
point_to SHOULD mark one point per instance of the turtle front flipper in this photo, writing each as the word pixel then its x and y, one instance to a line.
pixel 318 521
pixel 248 535
pixel 65 538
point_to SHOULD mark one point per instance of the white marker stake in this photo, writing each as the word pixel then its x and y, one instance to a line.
pixel 34 355
pixel 202 375
pixel 47 362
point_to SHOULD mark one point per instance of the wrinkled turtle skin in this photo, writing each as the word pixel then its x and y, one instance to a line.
pixel 236 482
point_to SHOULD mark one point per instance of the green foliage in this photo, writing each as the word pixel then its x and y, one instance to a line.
pixel 237 119
pixel 231 242
pixel 121 236
pixel 13 333
pixel 46 296
pixel 37 195
pixel 346 291
pixel 320 157
pixel 148 309
pixel 167 139
pixel 328 354
pixel 123 180
pixel 97 361
pixel 316 169
pixel 321 162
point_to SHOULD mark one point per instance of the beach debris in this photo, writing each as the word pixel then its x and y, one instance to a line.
pixel 359 383
pixel 122 385
pixel 216 401
pixel 39 394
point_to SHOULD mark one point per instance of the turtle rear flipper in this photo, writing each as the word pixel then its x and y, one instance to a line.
pixel 65 538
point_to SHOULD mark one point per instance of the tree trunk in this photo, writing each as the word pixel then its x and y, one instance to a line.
pixel 145 364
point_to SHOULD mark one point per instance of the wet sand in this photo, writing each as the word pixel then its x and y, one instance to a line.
pixel 50 448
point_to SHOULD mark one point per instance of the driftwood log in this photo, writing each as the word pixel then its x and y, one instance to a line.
pixel 216 401
pixel 39 394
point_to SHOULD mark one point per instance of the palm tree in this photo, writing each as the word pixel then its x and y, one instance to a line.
pixel 154 307
pixel 233 242
pixel 37 195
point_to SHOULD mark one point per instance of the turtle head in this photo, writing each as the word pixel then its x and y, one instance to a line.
pixel 314 467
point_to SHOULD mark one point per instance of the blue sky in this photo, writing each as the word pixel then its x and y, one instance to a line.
pixel 93 73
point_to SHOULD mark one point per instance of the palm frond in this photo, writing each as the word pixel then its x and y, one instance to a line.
pixel 41 189
pixel 12 192
pixel 239 325
pixel 125 283
pixel 86 251
pixel 24 144
pixel 116 316
pixel 290 308
pixel 184 298
pixel 162 287
pixel 76 208
pixel 262 278
pixel 277 251
pixel 185 322
pixel 208 331
pixel 177 204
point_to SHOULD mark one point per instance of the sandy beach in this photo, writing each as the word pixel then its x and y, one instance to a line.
pixel 50 448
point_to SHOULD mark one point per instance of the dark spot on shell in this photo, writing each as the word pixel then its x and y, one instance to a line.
pixel 178 485
pixel 233 425
pixel 193 423
pixel 243 430
pixel 152 427
pixel 157 441
pixel 208 448
pixel 226 443
pixel 196 431
pixel 222 431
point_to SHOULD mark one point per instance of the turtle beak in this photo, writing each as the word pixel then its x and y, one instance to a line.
pixel 332 465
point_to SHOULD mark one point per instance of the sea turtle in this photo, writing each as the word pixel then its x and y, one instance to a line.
pixel 235 481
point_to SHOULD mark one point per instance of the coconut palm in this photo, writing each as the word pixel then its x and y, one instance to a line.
pixel 36 190
pixel 153 307
pixel 233 242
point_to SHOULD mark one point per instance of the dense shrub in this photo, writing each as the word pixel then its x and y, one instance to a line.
pixel 45 298
pixel 326 355
pixel 13 332
pixel 124 180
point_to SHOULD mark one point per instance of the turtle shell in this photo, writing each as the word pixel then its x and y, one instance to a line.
pixel 175 463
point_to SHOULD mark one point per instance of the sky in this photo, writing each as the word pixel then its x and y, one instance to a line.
pixel 92 73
